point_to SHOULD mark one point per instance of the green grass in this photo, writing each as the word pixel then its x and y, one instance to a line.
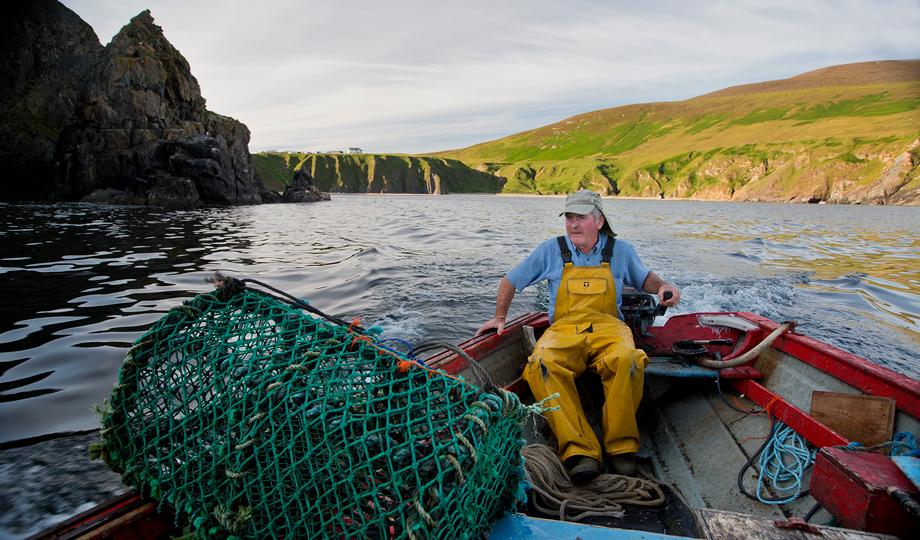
pixel 869 105
pixel 849 157
pixel 375 173
pixel 773 142
pixel 273 170
pixel 705 122
pixel 757 117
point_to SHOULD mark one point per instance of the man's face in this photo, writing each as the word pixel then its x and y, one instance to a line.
pixel 583 229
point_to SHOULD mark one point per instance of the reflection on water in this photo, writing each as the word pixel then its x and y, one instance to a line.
pixel 848 252
pixel 80 283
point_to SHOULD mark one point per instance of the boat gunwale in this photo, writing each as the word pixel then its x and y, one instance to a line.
pixel 856 371
pixel 849 368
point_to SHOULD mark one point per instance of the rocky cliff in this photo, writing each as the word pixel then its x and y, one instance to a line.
pixel 856 172
pixel 143 133
pixel 302 189
pixel 132 127
pixel 45 49
pixel 376 173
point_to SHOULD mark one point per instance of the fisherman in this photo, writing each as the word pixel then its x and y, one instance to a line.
pixel 586 270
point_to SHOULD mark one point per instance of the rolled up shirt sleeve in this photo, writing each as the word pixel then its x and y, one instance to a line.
pixel 635 272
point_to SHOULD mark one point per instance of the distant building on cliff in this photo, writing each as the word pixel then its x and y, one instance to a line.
pixel 354 150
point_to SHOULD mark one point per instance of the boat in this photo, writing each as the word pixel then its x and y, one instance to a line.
pixel 716 387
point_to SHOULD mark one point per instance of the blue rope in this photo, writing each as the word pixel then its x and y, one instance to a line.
pixel 408 353
pixel 903 444
pixel 783 463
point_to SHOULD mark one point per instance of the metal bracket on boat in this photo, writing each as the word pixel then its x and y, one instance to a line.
pixel 728 321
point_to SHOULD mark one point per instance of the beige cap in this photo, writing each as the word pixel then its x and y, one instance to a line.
pixel 582 202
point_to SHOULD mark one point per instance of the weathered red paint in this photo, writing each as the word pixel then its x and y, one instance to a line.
pixel 479 346
pixel 683 327
pixel 853 487
pixel 814 432
pixel 858 372
pixel 126 517
pixel 740 372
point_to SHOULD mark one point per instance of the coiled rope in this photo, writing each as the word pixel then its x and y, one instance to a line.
pixel 784 457
pixel 604 496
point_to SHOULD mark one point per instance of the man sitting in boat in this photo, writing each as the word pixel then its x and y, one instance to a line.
pixel 586 270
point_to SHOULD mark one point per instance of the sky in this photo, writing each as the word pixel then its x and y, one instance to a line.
pixel 422 76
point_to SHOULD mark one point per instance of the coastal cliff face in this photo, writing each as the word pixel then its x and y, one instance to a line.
pixel 143 134
pixel 376 173
pixel 45 49
pixel 131 126
pixel 870 173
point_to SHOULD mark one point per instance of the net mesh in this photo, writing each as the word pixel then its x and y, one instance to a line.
pixel 253 418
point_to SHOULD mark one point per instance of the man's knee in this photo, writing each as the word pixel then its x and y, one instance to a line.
pixel 623 358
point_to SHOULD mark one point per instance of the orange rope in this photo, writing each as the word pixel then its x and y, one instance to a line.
pixel 752 438
pixel 402 364
pixel 769 407
pixel 354 322
pixel 740 405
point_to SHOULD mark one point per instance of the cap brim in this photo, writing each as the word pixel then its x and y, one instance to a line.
pixel 581 209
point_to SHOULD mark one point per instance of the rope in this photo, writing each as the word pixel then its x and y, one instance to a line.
pixel 232 286
pixel 555 494
pixel 746 412
pixel 485 381
pixel 784 457
pixel 903 444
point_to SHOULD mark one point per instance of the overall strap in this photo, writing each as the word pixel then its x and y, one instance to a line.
pixel 564 248
pixel 608 249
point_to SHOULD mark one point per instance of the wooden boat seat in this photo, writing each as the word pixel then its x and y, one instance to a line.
pixel 663 366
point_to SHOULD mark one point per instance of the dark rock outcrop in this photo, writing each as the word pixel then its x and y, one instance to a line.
pixel 45 49
pixel 123 124
pixel 302 189
pixel 143 130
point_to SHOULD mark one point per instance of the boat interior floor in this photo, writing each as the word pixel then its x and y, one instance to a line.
pixel 694 443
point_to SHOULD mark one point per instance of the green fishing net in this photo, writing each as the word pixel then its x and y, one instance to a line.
pixel 252 418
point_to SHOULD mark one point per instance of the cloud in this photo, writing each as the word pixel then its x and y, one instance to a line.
pixel 415 76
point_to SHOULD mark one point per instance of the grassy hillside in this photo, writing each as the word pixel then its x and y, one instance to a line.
pixel 843 134
pixel 375 173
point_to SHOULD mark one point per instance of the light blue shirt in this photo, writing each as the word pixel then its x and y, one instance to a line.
pixel 545 262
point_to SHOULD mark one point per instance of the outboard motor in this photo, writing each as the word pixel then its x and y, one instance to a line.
pixel 639 311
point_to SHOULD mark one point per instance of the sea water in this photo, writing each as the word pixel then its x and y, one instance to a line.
pixel 79 283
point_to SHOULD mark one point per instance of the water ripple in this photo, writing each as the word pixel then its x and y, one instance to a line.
pixel 81 282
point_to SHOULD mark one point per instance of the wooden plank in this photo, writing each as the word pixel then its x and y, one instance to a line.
pixel 721 525
pixel 868 420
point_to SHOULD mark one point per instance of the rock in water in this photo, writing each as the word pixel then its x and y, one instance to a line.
pixel 302 189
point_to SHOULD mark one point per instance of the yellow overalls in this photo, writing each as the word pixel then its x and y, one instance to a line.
pixel 588 334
